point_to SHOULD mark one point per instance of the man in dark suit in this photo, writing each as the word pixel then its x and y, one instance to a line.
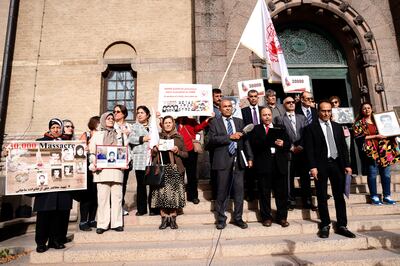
pixel 327 157
pixel 295 124
pixel 305 107
pixel 251 115
pixel 270 146
pixel 232 153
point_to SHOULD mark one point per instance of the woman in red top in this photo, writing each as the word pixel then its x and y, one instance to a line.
pixel 188 128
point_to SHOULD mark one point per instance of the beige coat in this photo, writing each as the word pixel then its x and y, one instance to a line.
pixel 105 175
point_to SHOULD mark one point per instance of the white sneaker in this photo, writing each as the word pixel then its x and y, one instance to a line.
pixel 125 212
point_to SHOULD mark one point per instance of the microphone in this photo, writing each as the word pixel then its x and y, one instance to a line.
pixel 247 129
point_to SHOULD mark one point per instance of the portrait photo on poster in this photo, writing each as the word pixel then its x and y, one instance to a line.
pixel 56 174
pixel 387 123
pixel 343 115
pixel 111 156
pixel 42 179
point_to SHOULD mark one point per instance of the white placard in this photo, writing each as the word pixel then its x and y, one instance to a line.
pixel 298 84
pixel 246 85
pixel 165 144
pixel 185 100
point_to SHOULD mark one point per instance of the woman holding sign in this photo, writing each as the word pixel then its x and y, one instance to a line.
pixel 109 181
pixel 52 208
pixel 379 153
pixel 171 196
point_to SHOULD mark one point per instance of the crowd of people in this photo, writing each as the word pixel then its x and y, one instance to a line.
pixel 250 158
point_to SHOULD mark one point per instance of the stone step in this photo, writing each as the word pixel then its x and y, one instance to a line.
pixel 226 248
pixel 206 204
pixel 207 217
pixel 196 232
pixel 344 258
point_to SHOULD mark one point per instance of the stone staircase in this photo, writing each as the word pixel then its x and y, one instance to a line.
pixel 197 242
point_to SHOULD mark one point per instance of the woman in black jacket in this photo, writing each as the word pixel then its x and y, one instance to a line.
pixel 52 208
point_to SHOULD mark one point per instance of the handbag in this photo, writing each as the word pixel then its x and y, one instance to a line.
pixel 154 173
pixel 196 144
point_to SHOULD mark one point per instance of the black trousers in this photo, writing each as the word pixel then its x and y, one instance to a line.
pixel 124 184
pixel 298 167
pixel 88 200
pixel 142 200
pixel 337 179
pixel 51 226
pixel 229 182
pixel 190 164
pixel 250 183
pixel 277 182
pixel 213 177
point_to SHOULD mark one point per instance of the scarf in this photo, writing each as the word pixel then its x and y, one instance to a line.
pixel 110 135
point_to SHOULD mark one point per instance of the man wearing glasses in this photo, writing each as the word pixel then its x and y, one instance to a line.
pixel 305 107
pixel 294 125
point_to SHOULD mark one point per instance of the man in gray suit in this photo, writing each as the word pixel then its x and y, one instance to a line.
pixel 295 124
pixel 232 153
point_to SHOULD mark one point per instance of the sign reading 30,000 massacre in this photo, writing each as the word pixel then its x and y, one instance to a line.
pixel 45 166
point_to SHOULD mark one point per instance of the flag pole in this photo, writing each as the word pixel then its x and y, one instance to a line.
pixel 230 63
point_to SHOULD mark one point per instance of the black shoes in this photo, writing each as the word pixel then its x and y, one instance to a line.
pixel 84 226
pixel 118 229
pixel 220 225
pixel 173 223
pixel 323 232
pixel 196 201
pixel 241 224
pixel 164 222
pixel 140 214
pixel 267 222
pixel 41 248
pixel 342 230
pixel 100 230
pixel 284 223
pixel 92 224
pixel 56 245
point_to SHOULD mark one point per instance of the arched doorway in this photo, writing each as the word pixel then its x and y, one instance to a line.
pixel 347 33
pixel 310 51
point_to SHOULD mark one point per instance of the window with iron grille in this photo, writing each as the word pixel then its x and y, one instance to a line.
pixel 119 87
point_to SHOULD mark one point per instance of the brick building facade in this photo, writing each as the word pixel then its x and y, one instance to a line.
pixel 63 49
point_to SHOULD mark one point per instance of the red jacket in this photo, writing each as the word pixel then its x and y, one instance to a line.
pixel 188 129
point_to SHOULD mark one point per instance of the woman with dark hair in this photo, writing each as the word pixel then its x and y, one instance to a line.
pixel 138 139
pixel 109 181
pixel 88 197
pixel 188 128
pixel 123 129
pixel 52 208
pixel 170 197
pixel 379 153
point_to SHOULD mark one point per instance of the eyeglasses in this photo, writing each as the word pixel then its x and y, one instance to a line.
pixel 117 112
pixel 289 102
pixel 309 99
pixel 69 126
pixel 335 102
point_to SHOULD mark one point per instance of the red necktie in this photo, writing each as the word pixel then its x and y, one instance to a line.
pixel 266 129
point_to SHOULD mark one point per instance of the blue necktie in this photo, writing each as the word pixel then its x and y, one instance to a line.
pixel 231 147
pixel 309 117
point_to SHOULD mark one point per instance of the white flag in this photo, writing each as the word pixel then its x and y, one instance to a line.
pixel 259 36
pixel 153 130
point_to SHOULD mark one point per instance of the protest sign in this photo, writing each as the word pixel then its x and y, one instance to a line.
pixel 185 100
pixel 246 85
pixel 343 115
pixel 236 112
pixel 45 166
pixel 298 84
pixel 111 157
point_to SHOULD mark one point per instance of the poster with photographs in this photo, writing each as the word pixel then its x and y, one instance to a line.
pixel 45 166
pixel 111 157
pixel 387 124
pixel 236 112
pixel 185 100
pixel 246 85
pixel 165 144
pixel 343 115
